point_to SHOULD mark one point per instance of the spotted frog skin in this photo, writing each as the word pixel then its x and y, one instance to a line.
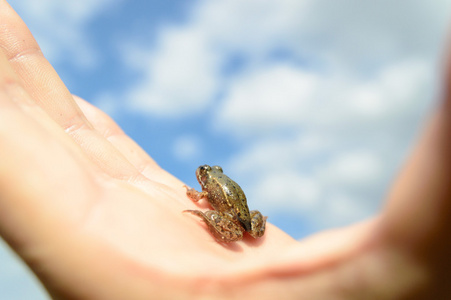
pixel 231 216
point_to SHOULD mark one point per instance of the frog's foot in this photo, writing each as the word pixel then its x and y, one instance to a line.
pixel 220 225
pixel 258 224
pixel 195 195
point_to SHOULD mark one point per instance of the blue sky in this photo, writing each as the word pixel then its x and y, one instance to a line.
pixel 311 106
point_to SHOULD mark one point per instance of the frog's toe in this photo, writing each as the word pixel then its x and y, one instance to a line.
pixel 258 224
pixel 194 212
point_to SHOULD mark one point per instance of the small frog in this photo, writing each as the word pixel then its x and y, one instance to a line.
pixel 230 217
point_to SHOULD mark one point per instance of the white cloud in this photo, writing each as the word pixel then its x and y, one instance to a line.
pixel 252 26
pixel 183 71
pixel 271 98
pixel 395 90
pixel 277 97
pixel 186 147
pixel 394 95
pixel 344 145
pixel 340 209
pixel 352 169
pixel 345 39
pixel 348 33
pixel 308 175
pixel 287 188
pixel 180 74
pixel 271 155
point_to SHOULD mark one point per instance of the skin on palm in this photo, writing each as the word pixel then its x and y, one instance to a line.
pixel 96 206
pixel 100 214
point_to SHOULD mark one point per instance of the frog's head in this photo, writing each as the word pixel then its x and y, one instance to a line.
pixel 205 172
pixel 202 174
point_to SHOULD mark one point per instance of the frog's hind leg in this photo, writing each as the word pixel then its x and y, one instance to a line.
pixel 220 225
pixel 258 224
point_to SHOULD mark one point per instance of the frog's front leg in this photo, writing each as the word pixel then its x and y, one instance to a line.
pixel 195 195
pixel 258 224
pixel 221 225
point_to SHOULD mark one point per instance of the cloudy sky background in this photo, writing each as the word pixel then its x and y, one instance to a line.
pixel 311 105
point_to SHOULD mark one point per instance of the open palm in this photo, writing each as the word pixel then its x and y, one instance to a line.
pixel 96 218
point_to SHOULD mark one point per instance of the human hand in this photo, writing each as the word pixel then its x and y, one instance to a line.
pixel 96 218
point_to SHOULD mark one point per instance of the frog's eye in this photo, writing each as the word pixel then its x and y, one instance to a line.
pixel 205 168
pixel 202 170
pixel 218 168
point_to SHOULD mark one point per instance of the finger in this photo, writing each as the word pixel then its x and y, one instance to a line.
pixel 36 74
pixel 38 166
pixel 127 146
pixel 44 86
pixel 419 208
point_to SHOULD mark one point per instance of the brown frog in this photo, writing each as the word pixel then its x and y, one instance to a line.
pixel 230 217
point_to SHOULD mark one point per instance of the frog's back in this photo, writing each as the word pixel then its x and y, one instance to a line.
pixel 229 197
